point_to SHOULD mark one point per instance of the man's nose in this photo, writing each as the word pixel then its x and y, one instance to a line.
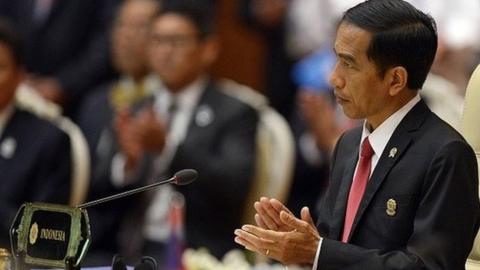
pixel 335 79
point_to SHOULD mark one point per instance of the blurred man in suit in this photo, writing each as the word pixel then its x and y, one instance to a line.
pixel 191 122
pixel 128 49
pixel 398 182
pixel 129 40
pixel 66 45
pixel 34 154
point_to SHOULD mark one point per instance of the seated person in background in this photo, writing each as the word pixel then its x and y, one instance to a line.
pixel 397 181
pixel 65 45
pixel 191 123
pixel 34 154
pixel 129 40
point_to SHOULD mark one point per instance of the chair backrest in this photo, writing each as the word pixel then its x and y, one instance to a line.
pixel 471 133
pixel 27 99
pixel 275 149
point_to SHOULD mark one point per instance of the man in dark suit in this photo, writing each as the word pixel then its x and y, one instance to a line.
pixel 34 154
pixel 269 18
pixel 404 188
pixel 128 49
pixel 66 44
pixel 191 122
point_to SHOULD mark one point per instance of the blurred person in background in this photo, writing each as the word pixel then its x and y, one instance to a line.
pixel 268 18
pixel 66 47
pixel 191 122
pixel 35 162
pixel 459 38
pixel 128 47
pixel 291 29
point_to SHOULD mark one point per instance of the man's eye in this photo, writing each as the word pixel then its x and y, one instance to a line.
pixel 346 64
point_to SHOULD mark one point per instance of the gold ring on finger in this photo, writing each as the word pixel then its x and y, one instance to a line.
pixel 267 252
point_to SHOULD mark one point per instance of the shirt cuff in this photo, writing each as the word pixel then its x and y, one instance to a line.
pixel 121 178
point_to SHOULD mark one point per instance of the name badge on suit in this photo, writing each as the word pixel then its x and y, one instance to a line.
pixel 204 116
pixel 8 147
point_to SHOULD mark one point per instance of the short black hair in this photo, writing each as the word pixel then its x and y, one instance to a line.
pixel 12 40
pixel 199 14
pixel 401 36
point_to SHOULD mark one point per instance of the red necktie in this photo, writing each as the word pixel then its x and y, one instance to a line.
pixel 358 187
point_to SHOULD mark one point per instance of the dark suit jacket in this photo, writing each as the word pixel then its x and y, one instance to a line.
pixel 39 168
pixel 433 179
pixel 71 44
pixel 223 152
pixel 279 87
pixel 220 145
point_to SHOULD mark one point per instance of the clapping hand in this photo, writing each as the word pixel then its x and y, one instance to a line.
pixel 279 234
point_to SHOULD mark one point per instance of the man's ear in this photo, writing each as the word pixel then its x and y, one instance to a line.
pixel 211 49
pixel 398 77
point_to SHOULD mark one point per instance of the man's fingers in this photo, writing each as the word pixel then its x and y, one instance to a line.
pixel 278 206
pixel 295 223
pixel 306 216
pixel 268 219
pixel 260 222
pixel 264 236
pixel 248 245
pixel 254 238
pixel 270 210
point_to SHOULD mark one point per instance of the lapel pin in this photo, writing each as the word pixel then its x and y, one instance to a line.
pixel 7 148
pixel 391 207
pixel 204 116
pixel 393 152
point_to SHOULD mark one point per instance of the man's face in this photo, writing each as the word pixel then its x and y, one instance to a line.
pixel 177 54
pixel 359 88
pixel 10 76
pixel 130 37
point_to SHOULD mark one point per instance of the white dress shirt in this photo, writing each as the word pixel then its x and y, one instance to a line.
pixel 378 140
pixel 156 226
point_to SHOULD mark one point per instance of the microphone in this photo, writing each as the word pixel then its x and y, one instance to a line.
pixel 46 233
pixel 146 263
pixel 183 177
pixel 118 263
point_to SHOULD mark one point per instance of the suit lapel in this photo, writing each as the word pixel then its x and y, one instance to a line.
pixel 8 140
pixel 401 139
pixel 55 9
pixel 203 114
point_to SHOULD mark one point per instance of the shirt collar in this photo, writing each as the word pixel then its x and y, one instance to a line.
pixel 185 98
pixel 5 115
pixel 381 135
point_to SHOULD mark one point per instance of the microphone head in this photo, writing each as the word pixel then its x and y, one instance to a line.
pixel 185 177
pixel 118 263
pixel 146 263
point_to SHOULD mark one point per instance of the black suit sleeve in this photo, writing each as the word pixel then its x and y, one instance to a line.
pixel 444 226
pixel 92 64
pixel 48 179
pixel 54 169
